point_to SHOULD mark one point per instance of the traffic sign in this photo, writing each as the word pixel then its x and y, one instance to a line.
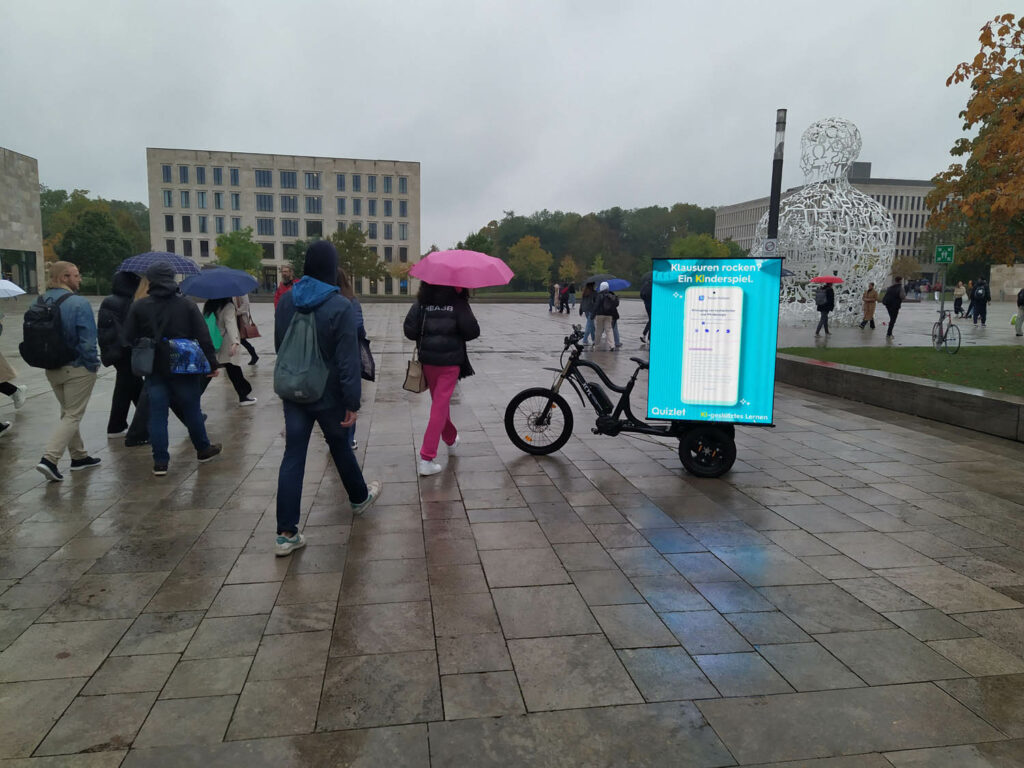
pixel 944 254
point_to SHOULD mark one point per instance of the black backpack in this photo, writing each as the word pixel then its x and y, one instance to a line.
pixel 44 345
pixel 979 293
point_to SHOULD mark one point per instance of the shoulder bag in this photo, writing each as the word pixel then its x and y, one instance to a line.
pixel 415 381
pixel 144 352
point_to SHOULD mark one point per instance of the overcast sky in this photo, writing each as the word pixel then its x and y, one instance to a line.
pixel 522 105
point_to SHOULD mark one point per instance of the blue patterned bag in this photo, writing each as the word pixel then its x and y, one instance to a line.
pixel 186 356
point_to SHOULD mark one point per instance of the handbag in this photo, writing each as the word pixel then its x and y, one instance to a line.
pixel 248 329
pixel 368 367
pixel 215 335
pixel 185 356
pixel 415 381
pixel 144 353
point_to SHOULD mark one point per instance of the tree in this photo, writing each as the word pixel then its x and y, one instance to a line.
pixel 568 269
pixel 986 191
pixel 356 258
pixel 295 254
pixel 94 244
pixel 530 262
pixel 699 247
pixel 597 265
pixel 478 242
pixel 238 251
pixel 735 251
pixel 905 266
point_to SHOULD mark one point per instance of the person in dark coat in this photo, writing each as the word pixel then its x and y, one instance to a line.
pixel 116 352
pixel 825 308
pixel 893 300
pixel 981 296
pixel 646 290
pixel 441 322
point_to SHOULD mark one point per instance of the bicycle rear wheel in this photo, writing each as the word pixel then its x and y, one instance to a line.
pixel 937 336
pixel 952 339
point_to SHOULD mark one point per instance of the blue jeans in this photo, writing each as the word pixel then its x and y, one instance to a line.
pixel 298 425
pixel 615 333
pixel 589 330
pixel 183 392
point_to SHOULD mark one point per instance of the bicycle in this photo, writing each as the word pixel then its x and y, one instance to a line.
pixel 946 334
pixel 539 420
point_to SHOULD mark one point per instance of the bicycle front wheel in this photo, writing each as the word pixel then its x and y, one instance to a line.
pixel 952 339
pixel 538 421
pixel 937 336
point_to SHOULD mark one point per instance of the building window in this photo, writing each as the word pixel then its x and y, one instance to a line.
pixel 403 287
pixel 312 180
pixel 387 185
pixel 374 249
pixel 201 199
pixel 264 178
pixel 183 174
pixel 200 174
pixel 371 206
pixel 203 227
pixel 388 209
pixel 289 203
pixel 339 180
pixel 403 254
pixel 341 226
pixel 218 200
pixel 371 230
pixel 389 232
pixel 233 173
pixel 169 242
pixel 236 201
pixel 389 252
pixel 373 286
pixel 314 204
pixel 403 185
pixel 264 203
pixel 168 198
pixel 289 227
pixel 186 248
pixel 218 224
pixel 186 223
pixel 357 182
pixel 264 227
pixel 357 225
pixel 236 223
pixel 218 176
pixel 357 206
pixel 184 198
pixel 403 209
pixel 166 171
pixel 389 287
pixel 314 228
pixel 341 206
pixel 169 222
pixel 268 250
pixel 403 231
pixel 371 184
pixel 288 180
pixel 204 249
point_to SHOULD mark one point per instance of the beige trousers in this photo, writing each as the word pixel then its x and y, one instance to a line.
pixel 72 386
pixel 603 326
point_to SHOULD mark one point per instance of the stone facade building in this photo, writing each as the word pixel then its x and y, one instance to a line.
pixel 21 223
pixel 195 195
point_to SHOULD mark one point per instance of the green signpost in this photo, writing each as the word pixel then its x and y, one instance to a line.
pixel 944 254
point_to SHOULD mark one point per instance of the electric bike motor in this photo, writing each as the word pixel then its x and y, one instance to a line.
pixel 599 398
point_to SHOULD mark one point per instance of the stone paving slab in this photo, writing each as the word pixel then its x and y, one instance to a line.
pixel 850 595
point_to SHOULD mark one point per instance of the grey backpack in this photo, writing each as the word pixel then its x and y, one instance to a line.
pixel 300 374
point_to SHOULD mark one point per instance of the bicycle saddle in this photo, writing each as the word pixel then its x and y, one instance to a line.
pixel 642 363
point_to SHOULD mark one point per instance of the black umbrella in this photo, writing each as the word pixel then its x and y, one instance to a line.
pixel 598 279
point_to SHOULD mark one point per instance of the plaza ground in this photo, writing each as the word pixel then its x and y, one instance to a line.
pixel 850 595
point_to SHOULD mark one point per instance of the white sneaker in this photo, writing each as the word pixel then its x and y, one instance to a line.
pixel 286 545
pixel 429 468
pixel 455 444
pixel 115 435
pixel 19 396
pixel 372 494
pixel 250 400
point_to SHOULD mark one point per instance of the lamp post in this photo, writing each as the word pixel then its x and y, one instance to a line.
pixel 771 244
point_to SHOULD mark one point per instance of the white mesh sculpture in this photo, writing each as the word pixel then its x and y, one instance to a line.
pixel 828 227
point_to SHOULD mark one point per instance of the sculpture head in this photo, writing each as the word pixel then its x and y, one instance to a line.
pixel 828 148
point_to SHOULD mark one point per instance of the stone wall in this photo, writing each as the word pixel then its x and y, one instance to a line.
pixel 21 224
pixel 1006 281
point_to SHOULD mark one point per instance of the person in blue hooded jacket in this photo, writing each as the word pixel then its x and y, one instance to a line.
pixel 336 410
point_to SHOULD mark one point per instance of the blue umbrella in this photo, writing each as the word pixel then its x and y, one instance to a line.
pixel 143 261
pixel 219 283
pixel 618 284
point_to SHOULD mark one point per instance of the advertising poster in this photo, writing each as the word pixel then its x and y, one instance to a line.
pixel 714 327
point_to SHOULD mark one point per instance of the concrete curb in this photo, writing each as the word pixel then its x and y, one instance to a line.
pixel 988 412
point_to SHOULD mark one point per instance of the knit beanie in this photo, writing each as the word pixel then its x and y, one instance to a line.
pixel 322 262
pixel 604 286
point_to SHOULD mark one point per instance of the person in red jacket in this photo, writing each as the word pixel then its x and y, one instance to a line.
pixel 287 280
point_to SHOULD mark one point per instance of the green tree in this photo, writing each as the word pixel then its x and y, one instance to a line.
pixel 95 244
pixel 597 265
pixel 530 262
pixel 295 254
pixel 699 247
pixel 568 269
pixel 735 250
pixel 238 251
pixel 905 266
pixel 356 258
pixel 478 242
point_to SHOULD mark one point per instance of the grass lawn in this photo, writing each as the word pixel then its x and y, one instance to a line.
pixel 996 369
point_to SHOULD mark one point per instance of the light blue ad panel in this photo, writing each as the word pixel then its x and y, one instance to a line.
pixel 714 327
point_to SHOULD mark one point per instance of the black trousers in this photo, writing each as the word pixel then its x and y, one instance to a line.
pixel 823 322
pixel 6 388
pixel 980 312
pixel 894 312
pixel 253 357
pixel 242 387
pixel 127 390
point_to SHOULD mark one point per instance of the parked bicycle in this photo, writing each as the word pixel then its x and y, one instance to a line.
pixel 946 334
pixel 539 420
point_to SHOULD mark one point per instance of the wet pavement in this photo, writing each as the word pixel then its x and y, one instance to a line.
pixel 850 595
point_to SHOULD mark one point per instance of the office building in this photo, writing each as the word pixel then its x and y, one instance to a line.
pixel 196 195
pixel 21 222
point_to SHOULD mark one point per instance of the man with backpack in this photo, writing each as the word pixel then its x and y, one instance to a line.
pixel 606 312
pixel 981 297
pixel 825 300
pixel 318 378
pixel 60 336
pixel 892 301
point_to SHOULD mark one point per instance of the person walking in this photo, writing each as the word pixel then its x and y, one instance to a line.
pixel 958 298
pixel 73 382
pixel 115 352
pixel 441 322
pixel 869 300
pixel 287 281
pixel 981 297
pixel 646 291
pixel 220 314
pixel 166 314
pixel 14 391
pixel 346 290
pixel 572 296
pixel 336 410
pixel 1018 325
pixel 587 303
pixel 970 300
pixel 552 296
pixel 606 312
pixel 243 316
pixel 825 299
pixel 563 299
pixel 893 300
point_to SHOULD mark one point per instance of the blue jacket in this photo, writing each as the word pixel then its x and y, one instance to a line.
pixel 336 333
pixel 79 328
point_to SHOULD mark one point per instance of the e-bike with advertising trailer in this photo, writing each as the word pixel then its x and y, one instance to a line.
pixel 539 420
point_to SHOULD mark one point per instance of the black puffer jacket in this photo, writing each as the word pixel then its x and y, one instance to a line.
pixel 110 319
pixel 176 317
pixel 442 326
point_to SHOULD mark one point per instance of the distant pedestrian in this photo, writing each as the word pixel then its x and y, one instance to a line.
pixel 1019 325
pixel 14 391
pixel 552 296
pixel 441 322
pixel 246 327
pixel 869 300
pixel 587 304
pixel 563 299
pixel 981 297
pixel 825 300
pixel 646 290
pixel 166 314
pixel 606 312
pixel 958 298
pixel 287 281
pixel 117 353
pixel 572 295
pixel 220 314
pixel 893 300
pixel 338 405
pixel 970 300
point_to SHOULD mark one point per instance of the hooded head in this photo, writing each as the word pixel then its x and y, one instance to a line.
pixel 125 284
pixel 161 280
pixel 322 262
pixel 604 286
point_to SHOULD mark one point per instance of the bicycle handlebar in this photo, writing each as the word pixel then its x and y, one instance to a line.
pixel 575 337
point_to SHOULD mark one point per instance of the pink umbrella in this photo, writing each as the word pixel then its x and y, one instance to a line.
pixel 827 279
pixel 462 269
